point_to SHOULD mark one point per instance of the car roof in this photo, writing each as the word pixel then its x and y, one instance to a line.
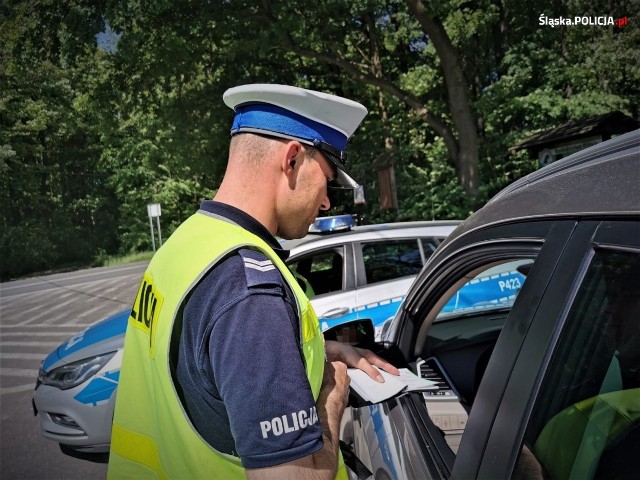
pixel 372 232
pixel 603 180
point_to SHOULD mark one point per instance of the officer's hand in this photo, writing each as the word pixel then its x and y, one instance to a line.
pixel 360 358
pixel 334 392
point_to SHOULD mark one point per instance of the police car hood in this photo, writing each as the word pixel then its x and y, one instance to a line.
pixel 102 337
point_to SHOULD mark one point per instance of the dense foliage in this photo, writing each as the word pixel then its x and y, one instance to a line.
pixel 108 105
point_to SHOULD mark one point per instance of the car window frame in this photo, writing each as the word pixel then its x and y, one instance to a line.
pixel 385 246
pixel 348 282
pixel 505 439
pixel 542 239
pixel 361 275
pixel 448 265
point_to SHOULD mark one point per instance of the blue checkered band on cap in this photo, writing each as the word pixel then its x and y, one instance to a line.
pixel 271 118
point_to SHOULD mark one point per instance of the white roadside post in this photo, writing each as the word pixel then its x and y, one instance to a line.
pixel 153 210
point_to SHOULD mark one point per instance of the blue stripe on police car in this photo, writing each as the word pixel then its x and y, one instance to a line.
pixel 104 330
pixel 99 389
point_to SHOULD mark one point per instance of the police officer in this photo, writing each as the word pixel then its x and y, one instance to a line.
pixel 225 373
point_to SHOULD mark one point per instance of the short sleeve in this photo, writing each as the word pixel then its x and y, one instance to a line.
pixel 257 363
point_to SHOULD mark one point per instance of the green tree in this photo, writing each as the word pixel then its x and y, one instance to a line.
pixel 90 133
pixel 49 186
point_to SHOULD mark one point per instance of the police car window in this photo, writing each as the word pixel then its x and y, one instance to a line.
pixel 586 421
pixel 429 246
pixel 319 272
pixel 391 259
pixel 495 288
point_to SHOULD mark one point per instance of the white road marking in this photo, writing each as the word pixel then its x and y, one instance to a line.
pixel 73 326
pixel 29 344
pixel 17 389
pixel 35 334
pixel 22 356
pixel 84 275
pixel 18 372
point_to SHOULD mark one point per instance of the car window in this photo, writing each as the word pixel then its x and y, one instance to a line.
pixel 492 289
pixel 468 319
pixel 392 259
pixel 319 272
pixel 429 246
pixel 586 421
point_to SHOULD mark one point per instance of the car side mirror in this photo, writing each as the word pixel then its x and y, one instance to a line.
pixel 359 333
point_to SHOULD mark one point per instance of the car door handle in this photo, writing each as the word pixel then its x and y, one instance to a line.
pixel 335 312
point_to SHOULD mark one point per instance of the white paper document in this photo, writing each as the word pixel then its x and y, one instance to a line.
pixel 370 390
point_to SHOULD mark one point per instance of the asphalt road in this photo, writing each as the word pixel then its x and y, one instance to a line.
pixel 36 315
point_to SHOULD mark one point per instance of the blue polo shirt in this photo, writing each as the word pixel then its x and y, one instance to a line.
pixel 240 366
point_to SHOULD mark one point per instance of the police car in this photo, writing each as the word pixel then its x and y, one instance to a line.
pixel 74 394
pixel 349 272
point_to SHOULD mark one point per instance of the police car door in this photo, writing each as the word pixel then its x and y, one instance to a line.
pixel 387 269
pixel 326 275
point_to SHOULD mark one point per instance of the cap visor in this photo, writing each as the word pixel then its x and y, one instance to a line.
pixel 344 180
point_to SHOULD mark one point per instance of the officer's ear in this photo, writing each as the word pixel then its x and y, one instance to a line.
pixel 292 158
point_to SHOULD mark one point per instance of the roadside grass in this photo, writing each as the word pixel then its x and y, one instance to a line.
pixel 111 261
pixel 101 260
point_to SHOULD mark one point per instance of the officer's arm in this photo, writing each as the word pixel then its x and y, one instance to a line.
pixel 322 464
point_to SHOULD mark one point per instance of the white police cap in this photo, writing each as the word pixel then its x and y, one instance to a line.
pixel 319 119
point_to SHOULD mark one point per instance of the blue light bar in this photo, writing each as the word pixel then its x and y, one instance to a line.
pixel 338 223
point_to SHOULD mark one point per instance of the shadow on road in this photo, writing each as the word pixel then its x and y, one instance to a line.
pixel 91 457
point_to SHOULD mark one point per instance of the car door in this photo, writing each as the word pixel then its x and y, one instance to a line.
pixel 385 270
pixel 327 276
pixel 416 435
pixel 571 406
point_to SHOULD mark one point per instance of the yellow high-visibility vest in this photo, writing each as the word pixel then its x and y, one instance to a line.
pixel 152 436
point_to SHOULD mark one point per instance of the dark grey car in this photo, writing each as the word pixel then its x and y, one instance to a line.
pixel 545 384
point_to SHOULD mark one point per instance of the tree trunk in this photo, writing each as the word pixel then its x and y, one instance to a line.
pixel 388 196
pixel 463 149
pixel 467 158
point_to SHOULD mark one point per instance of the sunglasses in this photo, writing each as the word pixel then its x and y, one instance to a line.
pixel 337 160
pixel 337 157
